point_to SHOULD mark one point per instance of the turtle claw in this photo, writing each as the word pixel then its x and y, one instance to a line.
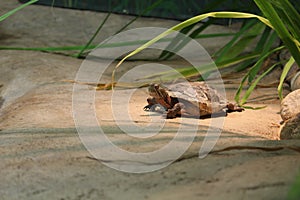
pixel 147 108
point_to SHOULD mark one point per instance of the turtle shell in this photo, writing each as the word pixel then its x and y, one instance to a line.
pixel 198 93
pixel 290 105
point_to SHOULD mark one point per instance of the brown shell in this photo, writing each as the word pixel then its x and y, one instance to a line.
pixel 290 105
pixel 198 93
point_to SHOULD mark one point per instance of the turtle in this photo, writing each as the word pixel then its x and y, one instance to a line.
pixel 188 99
pixel 290 114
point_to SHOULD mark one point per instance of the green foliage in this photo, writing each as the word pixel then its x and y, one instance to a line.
pixel 253 72
pixel 280 16
pixel 190 22
pixel 284 73
pixel 285 20
pixel 249 31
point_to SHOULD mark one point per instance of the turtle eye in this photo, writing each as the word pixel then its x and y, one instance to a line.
pixel 151 87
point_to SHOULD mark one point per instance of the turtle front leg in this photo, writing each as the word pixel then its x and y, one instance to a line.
pixel 175 111
pixel 151 102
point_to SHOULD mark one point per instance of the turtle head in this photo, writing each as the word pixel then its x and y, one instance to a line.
pixel 155 90
pixel 160 95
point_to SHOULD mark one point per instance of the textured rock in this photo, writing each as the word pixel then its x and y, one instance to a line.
pixel 290 113
pixel 291 128
pixel 290 105
pixel 295 82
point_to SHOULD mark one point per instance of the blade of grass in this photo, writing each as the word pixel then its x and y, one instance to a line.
pixel 151 7
pixel 221 54
pixel 79 55
pixel 241 45
pixel 264 37
pixel 175 43
pixel 239 91
pixel 253 73
pixel 284 73
pixel 291 16
pixel 214 35
pixel 49 49
pixel 110 45
pixel 254 108
pixel 178 44
pixel 253 85
pixel 146 10
pixel 264 54
pixel 259 48
pixel 3 17
pixel 196 33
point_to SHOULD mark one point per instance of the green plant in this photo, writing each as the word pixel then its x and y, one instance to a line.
pixel 280 16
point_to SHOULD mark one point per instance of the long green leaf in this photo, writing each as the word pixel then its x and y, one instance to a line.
pixel 239 90
pixel 110 45
pixel 146 10
pixel 224 52
pixel 178 44
pixel 175 43
pixel 6 15
pixel 256 67
pixel 240 46
pixel 93 37
pixel 212 35
pixel 253 72
pixel 253 85
pixel 49 49
pixel 284 73
pixel 263 45
pixel 291 16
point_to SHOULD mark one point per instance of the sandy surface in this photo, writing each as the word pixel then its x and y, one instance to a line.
pixel 43 157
